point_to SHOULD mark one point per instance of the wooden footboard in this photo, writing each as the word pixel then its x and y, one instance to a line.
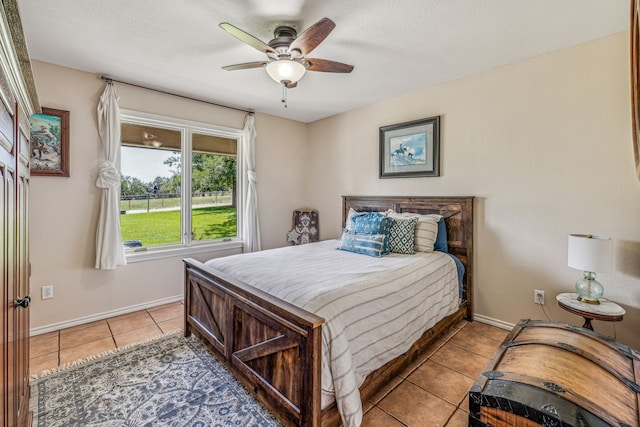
pixel 273 347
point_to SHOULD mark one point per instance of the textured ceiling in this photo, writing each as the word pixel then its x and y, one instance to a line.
pixel 396 46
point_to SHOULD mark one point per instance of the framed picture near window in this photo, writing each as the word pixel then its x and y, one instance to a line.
pixel 410 149
pixel 50 143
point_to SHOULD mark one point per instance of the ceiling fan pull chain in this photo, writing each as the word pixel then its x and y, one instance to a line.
pixel 284 94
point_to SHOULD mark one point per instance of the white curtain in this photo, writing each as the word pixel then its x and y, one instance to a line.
pixel 109 249
pixel 251 227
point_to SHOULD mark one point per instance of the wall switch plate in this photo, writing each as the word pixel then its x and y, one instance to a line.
pixel 538 297
pixel 47 292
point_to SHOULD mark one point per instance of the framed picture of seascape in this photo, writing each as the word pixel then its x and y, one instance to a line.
pixel 50 143
pixel 410 149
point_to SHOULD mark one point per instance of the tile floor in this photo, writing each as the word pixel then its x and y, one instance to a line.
pixel 432 392
pixel 48 351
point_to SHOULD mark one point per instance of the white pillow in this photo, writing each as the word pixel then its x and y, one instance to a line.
pixel 426 229
pixel 348 224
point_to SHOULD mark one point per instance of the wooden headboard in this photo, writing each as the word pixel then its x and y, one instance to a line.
pixel 457 212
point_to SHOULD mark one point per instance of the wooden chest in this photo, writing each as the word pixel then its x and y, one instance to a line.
pixel 554 374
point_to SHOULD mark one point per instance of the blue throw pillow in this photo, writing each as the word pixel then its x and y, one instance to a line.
pixel 441 239
pixel 373 223
pixel 366 244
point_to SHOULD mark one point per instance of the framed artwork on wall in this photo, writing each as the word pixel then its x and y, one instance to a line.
pixel 410 149
pixel 50 143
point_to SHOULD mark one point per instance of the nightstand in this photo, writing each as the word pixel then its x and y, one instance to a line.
pixel 607 310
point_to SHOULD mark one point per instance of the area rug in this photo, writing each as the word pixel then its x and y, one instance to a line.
pixel 172 381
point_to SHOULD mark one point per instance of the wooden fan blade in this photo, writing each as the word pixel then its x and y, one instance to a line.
pixel 312 36
pixel 327 66
pixel 247 38
pixel 245 66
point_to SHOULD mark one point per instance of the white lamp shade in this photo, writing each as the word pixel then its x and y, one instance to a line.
pixel 590 253
pixel 285 70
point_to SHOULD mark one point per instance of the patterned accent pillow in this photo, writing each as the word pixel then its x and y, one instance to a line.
pixel 373 223
pixel 402 235
pixel 366 244
pixel 426 229
pixel 348 224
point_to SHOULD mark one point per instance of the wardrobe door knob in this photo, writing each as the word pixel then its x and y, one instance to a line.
pixel 23 302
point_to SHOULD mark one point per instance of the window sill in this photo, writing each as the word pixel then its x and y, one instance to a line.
pixel 158 253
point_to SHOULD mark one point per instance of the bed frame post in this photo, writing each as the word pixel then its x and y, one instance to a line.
pixel 311 415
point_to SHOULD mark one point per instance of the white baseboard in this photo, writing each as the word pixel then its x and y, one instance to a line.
pixel 101 316
pixel 493 322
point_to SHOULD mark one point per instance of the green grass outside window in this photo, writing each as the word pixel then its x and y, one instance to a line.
pixel 163 227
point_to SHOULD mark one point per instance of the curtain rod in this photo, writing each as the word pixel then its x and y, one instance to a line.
pixel 111 80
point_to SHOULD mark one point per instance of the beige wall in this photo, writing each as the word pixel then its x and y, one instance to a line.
pixel 543 144
pixel 64 211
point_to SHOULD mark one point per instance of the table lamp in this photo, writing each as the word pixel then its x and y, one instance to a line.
pixel 591 254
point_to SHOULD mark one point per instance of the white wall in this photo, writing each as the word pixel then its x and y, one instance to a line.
pixel 545 147
pixel 64 211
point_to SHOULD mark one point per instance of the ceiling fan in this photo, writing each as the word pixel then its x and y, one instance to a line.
pixel 287 52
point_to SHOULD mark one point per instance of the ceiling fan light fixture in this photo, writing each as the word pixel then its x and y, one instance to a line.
pixel 285 70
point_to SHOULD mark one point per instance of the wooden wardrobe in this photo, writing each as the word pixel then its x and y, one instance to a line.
pixel 17 101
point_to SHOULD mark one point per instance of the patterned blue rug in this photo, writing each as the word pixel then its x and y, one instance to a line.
pixel 173 381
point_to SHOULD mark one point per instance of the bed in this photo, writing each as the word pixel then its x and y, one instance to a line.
pixel 275 348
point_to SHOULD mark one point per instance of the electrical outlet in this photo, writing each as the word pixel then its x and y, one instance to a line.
pixel 538 297
pixel 47 292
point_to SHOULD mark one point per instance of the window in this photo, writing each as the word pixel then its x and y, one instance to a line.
pixel 179 184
